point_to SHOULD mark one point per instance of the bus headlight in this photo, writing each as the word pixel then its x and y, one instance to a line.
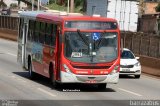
pixel 66 68
pixel 115 70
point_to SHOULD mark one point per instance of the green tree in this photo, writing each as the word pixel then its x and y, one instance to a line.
pixel 158 8
pixel 78 4
pixel 81 3
pixel 13 5
pixel 59 2
pixel 2 4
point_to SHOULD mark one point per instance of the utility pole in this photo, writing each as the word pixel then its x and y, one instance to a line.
pixel 72 6
pixel 141 8
pixel 48 2
pixel 68 6
pixel 38 5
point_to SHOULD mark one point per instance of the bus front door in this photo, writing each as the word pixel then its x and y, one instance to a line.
pixel 24 40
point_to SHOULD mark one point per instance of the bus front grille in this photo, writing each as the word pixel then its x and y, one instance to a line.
pixel 92 67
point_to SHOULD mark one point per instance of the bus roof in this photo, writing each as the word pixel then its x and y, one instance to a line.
pixel 30 14
pixel 43 15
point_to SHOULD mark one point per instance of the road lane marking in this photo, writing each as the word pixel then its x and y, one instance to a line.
pixel 19 79
pixel 46 92
pixel 150 77
pixel 129 92
pixel 12 54
pixel 13 76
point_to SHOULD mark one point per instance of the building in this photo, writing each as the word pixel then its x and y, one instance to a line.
pixel 150 23
pixel 149 20
pixel 125 11
pixel 149 6
pixel 97 7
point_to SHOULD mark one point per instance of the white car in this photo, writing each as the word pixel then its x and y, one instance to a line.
pixel 129 64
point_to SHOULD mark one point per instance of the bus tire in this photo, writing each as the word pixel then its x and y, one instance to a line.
pixel 102 86
pixel 53 81
pixel 31 73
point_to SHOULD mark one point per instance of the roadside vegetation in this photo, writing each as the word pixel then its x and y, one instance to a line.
pixel 158 8
pixel 13 5
pixel 2 4
pixel 61 5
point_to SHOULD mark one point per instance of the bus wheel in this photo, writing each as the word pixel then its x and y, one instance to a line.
pixel 102 86
pixel 53 81
pixel 31 73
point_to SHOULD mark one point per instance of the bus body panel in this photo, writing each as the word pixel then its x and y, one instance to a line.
pixel 37 57
pixel 73 78
pixel 48 58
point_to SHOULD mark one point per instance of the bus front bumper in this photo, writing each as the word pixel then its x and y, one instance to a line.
pixel 73 78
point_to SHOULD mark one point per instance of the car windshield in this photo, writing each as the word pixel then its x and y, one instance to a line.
pixel 91 47
pixel 127 55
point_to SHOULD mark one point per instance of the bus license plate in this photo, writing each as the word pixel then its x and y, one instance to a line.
pixel 91 81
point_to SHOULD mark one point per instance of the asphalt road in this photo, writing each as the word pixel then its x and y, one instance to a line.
pixel 15 85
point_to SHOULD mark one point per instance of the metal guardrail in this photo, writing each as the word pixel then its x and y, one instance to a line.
pixel 9 22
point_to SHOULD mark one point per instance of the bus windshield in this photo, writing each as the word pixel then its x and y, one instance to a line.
pixel 91 47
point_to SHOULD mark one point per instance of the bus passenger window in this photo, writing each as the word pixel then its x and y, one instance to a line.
pixel 42 32
pixel 31 29
pixel 53 36
pixel 41 38
pixel 36 34
pixel 47 39
pixel 49 30
pixel 21 28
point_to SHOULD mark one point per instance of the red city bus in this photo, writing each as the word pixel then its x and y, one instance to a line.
pixel 70 48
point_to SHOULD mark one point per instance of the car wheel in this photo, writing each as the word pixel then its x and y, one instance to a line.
pixel 102 86
pixel 137 76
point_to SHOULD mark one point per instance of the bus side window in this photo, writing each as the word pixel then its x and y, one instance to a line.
pixel 53 35
pixel 31 29
pixel 42 32
pixel 21 28
pixel 49 30
pixel 36 33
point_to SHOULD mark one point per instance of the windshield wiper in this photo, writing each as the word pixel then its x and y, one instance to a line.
pixel 99 42
pixel 81 36
pixel 87 43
